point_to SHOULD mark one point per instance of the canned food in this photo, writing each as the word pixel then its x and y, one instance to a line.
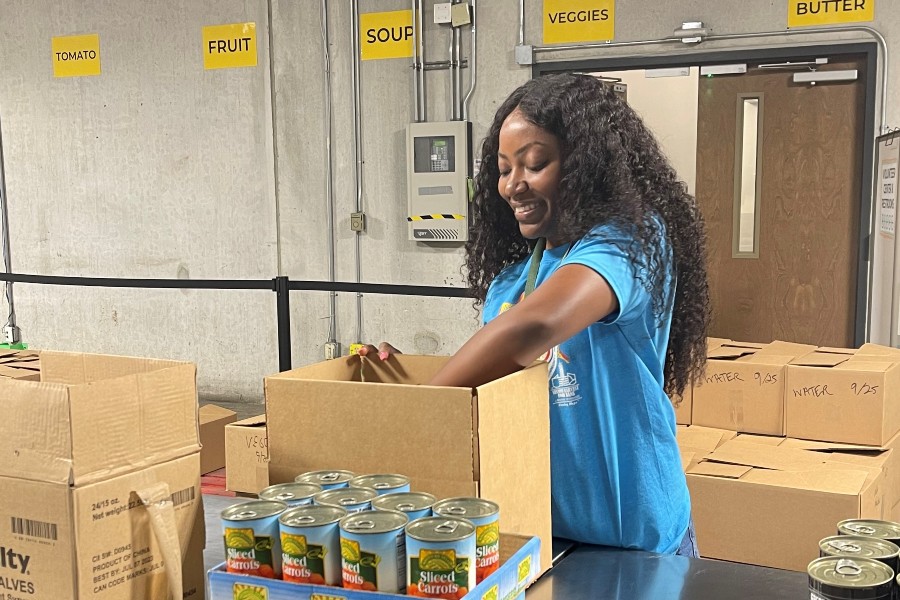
pixel 853 546
pixel 311 544
pixel 373 551
pixel 351 499
pixel 329 480
pixel 292 494
pixel 440 557
pixel 416 505
pixel 885 530
pixel 840 578
pixel 252 545
pixel 486 517
pixel 383 484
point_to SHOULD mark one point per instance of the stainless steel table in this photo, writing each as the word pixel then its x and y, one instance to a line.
pixel 593 573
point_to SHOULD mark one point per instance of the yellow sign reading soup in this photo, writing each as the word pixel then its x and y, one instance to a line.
pixel 568 21
pixel 804 13
pixel 386 35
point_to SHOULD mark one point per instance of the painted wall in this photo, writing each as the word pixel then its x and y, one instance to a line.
pixel 158 168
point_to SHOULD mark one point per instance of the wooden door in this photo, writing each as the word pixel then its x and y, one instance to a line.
pixel 801 286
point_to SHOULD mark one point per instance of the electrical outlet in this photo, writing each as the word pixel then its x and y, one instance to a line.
pixel 442 12
pixel 332 350
pixel 11 334
pixel 358 221
pixel 459 14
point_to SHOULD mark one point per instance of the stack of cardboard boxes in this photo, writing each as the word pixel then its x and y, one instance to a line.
pixel 785 440
pixel 100 481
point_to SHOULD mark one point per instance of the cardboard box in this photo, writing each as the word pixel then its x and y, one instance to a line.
pixel 836 396
pixel 213 420
pixel 492 442
pixel 770 505
pixel 519 567
pixel 684 404
pixel 20 364
pixel 247 455
pixel 100 480
pixel 743 389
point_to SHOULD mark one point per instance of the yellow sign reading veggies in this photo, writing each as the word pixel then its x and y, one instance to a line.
pixel 568 21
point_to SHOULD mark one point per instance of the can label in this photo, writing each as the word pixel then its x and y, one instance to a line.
pixel 359 569
pixel 302 562
pixel 248 553
pixel 438 574
pixel 487 550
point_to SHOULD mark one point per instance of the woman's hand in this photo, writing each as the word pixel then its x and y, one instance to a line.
pixel 383 351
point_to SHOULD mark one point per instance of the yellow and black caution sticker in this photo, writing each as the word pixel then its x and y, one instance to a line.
pixel 434 217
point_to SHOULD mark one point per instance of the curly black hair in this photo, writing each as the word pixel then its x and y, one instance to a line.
pixel 613 172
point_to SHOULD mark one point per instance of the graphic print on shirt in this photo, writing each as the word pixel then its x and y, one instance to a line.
pixel 564 386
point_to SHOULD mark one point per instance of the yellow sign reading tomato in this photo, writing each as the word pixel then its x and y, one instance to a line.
pixel 76 55
pixel 804 13
pixel 568 21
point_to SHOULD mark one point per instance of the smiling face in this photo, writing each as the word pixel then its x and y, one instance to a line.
pixel 530 164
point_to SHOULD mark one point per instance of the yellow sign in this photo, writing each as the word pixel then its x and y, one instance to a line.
pixel 229 46
pixel 76 55
pixel 567 21
pixel 386 35
pixel 803 13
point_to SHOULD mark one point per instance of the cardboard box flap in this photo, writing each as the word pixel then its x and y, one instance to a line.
pixel 753 438
pixel 820 359
pixel 213 412
pixel 770 359
pixel 766 457
pixel 713 469
pixel 295 407
pixel 787 348
pixel 731 352
pixel 878 350
pixel 830 350
pixel 712 342
pixel 35 440
pixel 702 438
pixel 145 417
pixel 838 481
pixel 77 368
pixel 869 365
pixel 257 421
pixel 514 427
pixel 815 446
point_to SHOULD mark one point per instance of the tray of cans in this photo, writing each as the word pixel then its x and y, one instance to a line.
pixel 859 563
pixel 333 535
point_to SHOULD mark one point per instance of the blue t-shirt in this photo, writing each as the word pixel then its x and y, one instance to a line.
pixel 616 471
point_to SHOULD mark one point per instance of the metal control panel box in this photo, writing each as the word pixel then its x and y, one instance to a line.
pixel 438 173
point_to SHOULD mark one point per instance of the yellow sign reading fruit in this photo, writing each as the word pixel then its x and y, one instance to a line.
pixel 568 21
pixel 804 13
pixel 386 35
pixel 229 46
pixel 76 55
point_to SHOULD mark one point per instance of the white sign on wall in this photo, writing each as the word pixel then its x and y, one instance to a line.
pixel 887 195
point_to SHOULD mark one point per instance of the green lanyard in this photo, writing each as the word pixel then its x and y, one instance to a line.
pixel 534 266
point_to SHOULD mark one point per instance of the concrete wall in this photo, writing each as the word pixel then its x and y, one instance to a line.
pixel 160 169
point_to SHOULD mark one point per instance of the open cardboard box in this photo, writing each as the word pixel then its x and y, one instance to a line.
pixel 213 420
pixel 743 389
pixel 20 364
pixel 519 567
pixel 838 395
pixel 759 503
pixel 247 455
pixel 371 416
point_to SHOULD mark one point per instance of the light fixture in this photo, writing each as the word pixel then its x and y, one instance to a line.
pixel 814 77
pixel 691 32
pixel 667 72
pixel 735 69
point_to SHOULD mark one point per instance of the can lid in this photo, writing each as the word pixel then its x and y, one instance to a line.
pixel 440 529
pixel 404 501
pixel 312 515
pixel 386 481
pixel 859 546
pixel 870 527
pixel 326 477
pixel 254 509
pixel 285 492
pixel 374 521
pixel 345 496
pixel 854 573
pixel 465 507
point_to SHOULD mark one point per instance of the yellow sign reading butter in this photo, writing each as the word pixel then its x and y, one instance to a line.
pixel 76 55
pixel 386 35
pixel 567 21
pixel 229 46
pixel 803 13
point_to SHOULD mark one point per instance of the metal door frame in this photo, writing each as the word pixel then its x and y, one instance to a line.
pixel 869 51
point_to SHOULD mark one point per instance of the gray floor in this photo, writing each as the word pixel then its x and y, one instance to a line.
pixel 215 545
